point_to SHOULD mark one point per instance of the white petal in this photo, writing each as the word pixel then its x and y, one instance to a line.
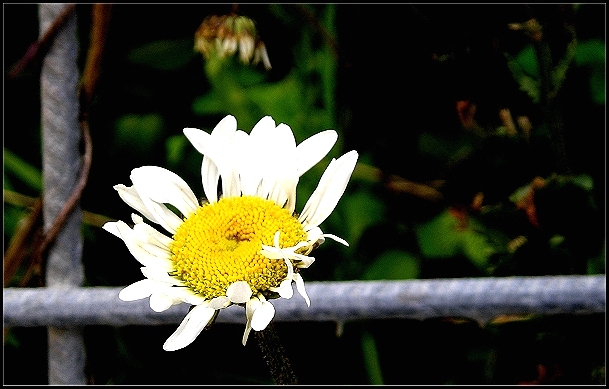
pixel 284 289
pixel 280 179
pixel 192 325
pixel 160 214
pixel 303 261
pixel 141 250
pixel 160 301
pixel 248 164
pixel 157 274
pixel 132 198
pixel 263 316
pixel 290 268
pixel 112 228
pixel 185 294
pixel 250 307
pixel 149 234
pixel 273 144
pixel 265 124
pixel 219 160
pixel 198 138
pixel 313 149
pixel 219 302
pixel 271 252
pixel 336 238
pixel 164 186
pixel 139 290
pixel 210 177
pixel 239 292
pixel 300 286
pixel 316 236
pixel 331 187
pixel 209 171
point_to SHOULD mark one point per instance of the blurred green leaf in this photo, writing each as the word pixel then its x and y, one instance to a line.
pixel 438 238
pixel 282 100
pixel 592 53
pixel 164 54
pixel 598 87
pixel 27 173
pixel 174 146
pixel 362 210
pixel 139 132
pixel 209 104
pixel 446 236
pixel 527 61
pixel 476 248
pixel 393 265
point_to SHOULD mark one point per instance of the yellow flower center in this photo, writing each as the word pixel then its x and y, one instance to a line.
pixel 220 244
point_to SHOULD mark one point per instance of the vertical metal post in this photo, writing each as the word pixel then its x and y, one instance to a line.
pixel 61 164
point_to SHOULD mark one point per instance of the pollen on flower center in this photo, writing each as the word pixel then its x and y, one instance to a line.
pixel 220 244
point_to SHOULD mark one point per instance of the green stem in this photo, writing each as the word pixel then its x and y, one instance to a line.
pixel 371 359
pixel 274 356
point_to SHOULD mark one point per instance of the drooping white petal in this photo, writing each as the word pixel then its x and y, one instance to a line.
pixel 112 228
pixel 290 268
pixel 284 289
pixel 300 286
pixel 164 186
pixel 130 196
pixel 141 250
pixel 331 187
pixel 140 290
pixel 316 236
pixel 149 234
pixel 303 261
pixel 157 274
pixel 263 315
pixel 313 149
pixel 271 252
pixel 160 301
pixel 219 302
pixel 250 307
pixel 185 294
pixel 192 325
pixel 160 214
pixel 239 292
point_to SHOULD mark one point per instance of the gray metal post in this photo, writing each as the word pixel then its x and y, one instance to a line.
pixel 61 164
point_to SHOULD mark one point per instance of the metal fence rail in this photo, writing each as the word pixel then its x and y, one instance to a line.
pixel 477 298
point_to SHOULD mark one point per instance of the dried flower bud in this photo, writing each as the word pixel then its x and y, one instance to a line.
pixel 223 36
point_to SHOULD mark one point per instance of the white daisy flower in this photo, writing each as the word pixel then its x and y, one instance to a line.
pixel 244 246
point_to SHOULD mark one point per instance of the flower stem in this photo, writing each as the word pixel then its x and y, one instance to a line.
pixel 274 356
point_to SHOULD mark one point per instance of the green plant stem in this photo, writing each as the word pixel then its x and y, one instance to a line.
pixel 371 359
pixel 274 356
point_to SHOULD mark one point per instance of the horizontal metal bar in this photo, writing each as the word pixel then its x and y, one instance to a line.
pixel 477 298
